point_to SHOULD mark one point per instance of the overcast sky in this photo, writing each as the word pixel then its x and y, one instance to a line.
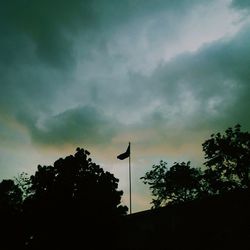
pixel 97 74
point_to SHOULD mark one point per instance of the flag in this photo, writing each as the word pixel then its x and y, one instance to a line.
pixel 125 154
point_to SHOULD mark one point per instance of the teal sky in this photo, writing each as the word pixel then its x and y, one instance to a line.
pixel 97 74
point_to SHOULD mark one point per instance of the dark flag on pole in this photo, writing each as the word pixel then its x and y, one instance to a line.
pixel 125 154
pixel 122 157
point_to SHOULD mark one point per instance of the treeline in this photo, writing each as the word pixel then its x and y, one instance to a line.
pixel 72 204
pixel 226 168
pixel 75 204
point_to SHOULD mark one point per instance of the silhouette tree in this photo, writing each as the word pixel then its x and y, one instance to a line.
pixel 74 202
pixel 228 160
pixel 227 167
pixel 10 196
pixel 177 184
pixel 10 211
pixel 23 182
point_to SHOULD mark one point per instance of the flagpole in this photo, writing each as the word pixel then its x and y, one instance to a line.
pixel 129 166
pixel 123 156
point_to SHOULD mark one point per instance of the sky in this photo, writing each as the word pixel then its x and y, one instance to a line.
pixel 97 74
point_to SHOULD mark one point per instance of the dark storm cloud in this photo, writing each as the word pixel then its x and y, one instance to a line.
pixel 36 48
pixel 242 4
pixel 46 25
pixel 196 93
pixel 76 126
pixel 51 26
pixel 207 88
pixel 38 51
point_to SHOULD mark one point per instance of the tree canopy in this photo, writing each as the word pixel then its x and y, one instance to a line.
pixel 77 180
pixel 227 167
pixel 177 184
pixel 227 160
pixel 74 202
pixel 10 214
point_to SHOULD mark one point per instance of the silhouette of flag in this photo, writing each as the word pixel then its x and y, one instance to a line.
pixel 125 154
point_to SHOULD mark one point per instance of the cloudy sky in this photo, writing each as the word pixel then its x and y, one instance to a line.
pixel 97 74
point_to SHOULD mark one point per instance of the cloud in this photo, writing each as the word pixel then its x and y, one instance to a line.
pixel 46 25
pixel 51 28
pixel 120 45
pixel 241 4
pixel 44 43
pixel 82 125
pixel 192 96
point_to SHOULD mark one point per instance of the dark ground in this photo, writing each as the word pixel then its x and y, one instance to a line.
pixel 221 222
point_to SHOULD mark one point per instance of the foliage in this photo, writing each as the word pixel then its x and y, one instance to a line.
pixel 23 182
pixel 227 160
pixel 77 180
pixel 177 184
pixel 73 197
pixel 155 179
pixel 63 205
pixel 10 196
pixel 227 167
pixel 10 214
